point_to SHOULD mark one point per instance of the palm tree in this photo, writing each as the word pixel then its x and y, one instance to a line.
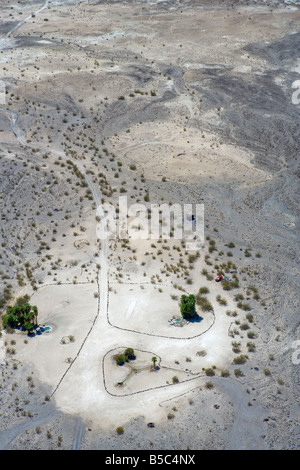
pixel 154 359
pixel 35 311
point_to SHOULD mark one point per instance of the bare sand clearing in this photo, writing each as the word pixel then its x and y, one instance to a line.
pixel 163 103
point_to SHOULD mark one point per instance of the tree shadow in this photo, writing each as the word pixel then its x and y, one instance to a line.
pixel 195 318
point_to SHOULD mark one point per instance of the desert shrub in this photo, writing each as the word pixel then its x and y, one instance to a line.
pixel 203 290
pixel 238 373
pixel 251 335
pixel 210 372
pixel 244 326
pixel 203 303
pixel 249 317
pixel 236 347
pixel 221 300
pixel 242 306
pixel 209 385
pixel 227 285
pixel 240 359
pixel 238 297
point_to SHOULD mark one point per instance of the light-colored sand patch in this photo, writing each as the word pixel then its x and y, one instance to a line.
pixel 150 310
pixel 69 310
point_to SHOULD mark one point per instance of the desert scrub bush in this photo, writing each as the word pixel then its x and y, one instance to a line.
pixel 220 300
pixel 240 359
pixel 238 373
pixel 231 313
pixel 251 335
pixel 203 290
pixel 175 379
pixel 238 297
pixel 249 317
pixel 120 430
pixel 209 385
pixel 251 346
pixel 244 326
pixel 193 257
pixel 203 303
pixel 227 285
pixel 236 347
pixel 243 306
pixel 209 371
pixel 225 373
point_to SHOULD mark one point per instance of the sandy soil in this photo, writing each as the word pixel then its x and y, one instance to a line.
pixel 164 103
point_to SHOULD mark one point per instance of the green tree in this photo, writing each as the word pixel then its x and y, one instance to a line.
pixel 187 306
pixel 120 359
pixel 129 354
pixel 28 326
pixel 22 314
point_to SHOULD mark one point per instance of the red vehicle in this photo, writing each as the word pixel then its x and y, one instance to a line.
pixel 219 278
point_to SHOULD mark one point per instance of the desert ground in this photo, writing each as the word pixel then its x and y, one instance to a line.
pixel 158 103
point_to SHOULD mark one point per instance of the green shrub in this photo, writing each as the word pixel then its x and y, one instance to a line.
pixel 120 359
pixel 129 353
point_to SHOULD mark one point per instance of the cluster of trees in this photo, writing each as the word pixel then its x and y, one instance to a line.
pixel 127 355
pixel 21 315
